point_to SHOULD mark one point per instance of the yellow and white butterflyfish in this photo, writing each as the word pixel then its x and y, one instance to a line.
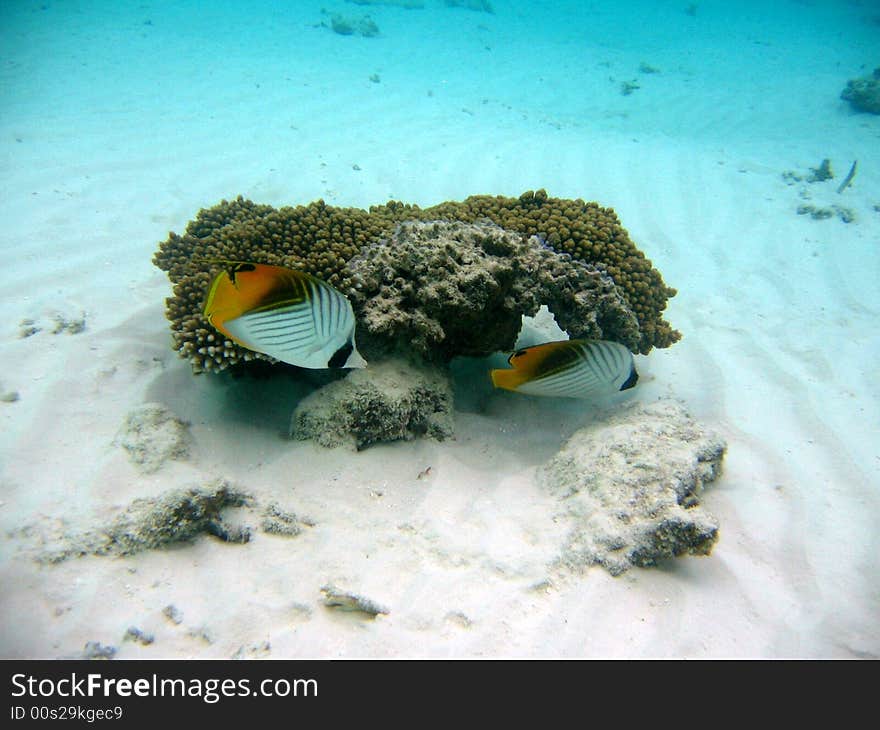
pixel 286 314
pixel 569 369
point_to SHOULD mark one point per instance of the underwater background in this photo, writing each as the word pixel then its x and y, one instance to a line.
pixel 703 125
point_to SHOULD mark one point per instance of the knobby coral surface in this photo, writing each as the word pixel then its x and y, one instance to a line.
pixel 389 401
pixel 630 488
pixel 322 239
pixel 178 515
pixel 443 289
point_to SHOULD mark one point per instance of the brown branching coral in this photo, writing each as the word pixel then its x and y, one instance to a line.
pixel 322 239
pixel 315 238
pixel 588 233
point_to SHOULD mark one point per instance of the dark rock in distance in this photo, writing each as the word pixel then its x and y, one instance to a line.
pixel 863 94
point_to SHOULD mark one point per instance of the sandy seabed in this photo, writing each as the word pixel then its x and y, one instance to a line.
pixel 443 548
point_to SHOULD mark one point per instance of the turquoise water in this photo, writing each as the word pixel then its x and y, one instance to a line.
pixel 270 81
pixel 173 106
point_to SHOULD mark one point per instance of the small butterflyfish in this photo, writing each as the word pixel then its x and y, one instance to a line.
pixel 286 314
pixel 569 369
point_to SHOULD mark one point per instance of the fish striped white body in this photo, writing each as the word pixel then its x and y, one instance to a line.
pixel 569 369
pixel 286 314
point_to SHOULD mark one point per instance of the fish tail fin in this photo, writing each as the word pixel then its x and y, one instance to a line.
pixel 355 360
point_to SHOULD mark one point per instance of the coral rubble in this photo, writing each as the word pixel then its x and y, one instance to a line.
pixel 389 401
pixel 322 239
pixel 96 650
pixel 480 5
pixel 405 4
pixel 863 94
pixel 133 633
pixel 821 173
pixel 152 434
pixel 631 487
pixel 815 175
pixel 57 323
pixel 173 614
pixel 341 600
pixel 9 396
pixel 277 521
pixel 72 326
pixel 179 515
pixel 818 212
pixel 364 26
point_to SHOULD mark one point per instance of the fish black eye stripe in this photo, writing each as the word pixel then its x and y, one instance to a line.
pixel 237 269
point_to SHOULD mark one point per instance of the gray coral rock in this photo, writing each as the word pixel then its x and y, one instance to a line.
pixel 348 602
pixel 173 614
pixel 152 435
pixel 97 650
pixel 179 515
pixel 631 487
pixel 10 396
pixel 253 651
pixel 387 401
pixel 277 521
pixel 441 289
pixel 863 94
pixel 133 633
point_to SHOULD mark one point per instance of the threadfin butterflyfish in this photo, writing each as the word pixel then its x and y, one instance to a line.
pixel 286 314
pixel 569 369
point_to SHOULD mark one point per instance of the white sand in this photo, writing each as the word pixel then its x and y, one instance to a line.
pixel 114 132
